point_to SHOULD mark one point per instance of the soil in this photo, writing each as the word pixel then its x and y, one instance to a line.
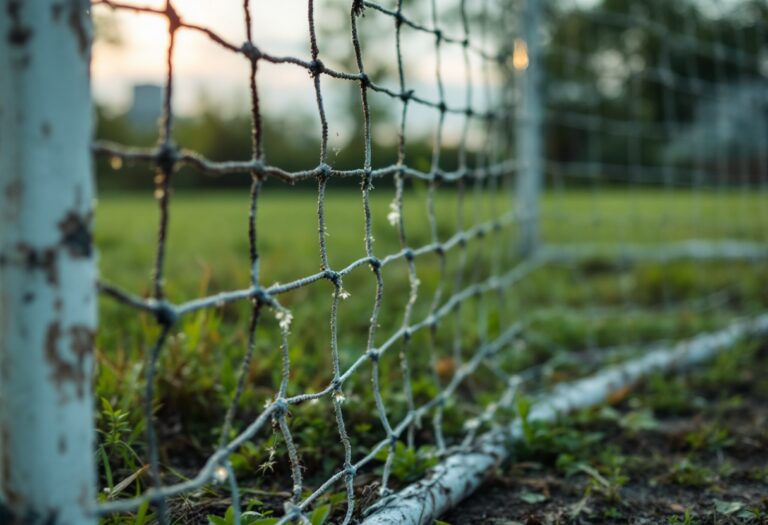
pixel 702 459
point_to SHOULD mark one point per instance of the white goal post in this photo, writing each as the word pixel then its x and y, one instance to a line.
pixel 47 268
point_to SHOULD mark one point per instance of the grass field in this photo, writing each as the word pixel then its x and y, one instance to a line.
pixel 571 311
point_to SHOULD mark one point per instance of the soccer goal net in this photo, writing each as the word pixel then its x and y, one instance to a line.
pixel 334 285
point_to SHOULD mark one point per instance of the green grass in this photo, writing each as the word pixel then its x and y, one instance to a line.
pixel 572 309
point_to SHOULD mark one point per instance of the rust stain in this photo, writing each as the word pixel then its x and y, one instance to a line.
pixel 75 21
pixel 11 497
pixel 56 10
pixel 19 34
pixel 81 341
pixel 76 234
pixel 81 346
pixel 44 259
pixel 14 191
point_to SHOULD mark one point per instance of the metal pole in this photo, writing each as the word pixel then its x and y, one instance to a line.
pixel 527 62
pixel 47 265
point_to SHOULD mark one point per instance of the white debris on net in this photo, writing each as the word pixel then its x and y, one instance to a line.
pixel 284 318
pixel 394 213
pixel 460 474
pixel 220 474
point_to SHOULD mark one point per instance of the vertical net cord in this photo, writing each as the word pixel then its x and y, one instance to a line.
pixel 437 417
pixel 375 264
pixel 397 219
pixel 669 122
pixel 165 168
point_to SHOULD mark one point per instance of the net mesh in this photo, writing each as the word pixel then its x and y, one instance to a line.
pixel 632 100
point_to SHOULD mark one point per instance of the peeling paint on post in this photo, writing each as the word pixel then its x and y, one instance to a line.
pixel 47 268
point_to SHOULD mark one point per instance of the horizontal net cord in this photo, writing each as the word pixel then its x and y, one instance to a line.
pixel 202 165
pixel 624 253
pixel 684 41
pixel 459 239
pixel 656 176
pixel 547 254
pixel 662 76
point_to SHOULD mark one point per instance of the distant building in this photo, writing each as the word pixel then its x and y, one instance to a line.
pixel 146 106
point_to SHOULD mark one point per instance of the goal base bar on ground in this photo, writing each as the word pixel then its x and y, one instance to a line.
pixel 460 474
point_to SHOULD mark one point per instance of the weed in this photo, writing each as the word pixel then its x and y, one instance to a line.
pixel 686 472
pixel 686 519
pixel 409 464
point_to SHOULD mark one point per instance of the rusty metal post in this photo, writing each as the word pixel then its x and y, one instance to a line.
pixel 47 266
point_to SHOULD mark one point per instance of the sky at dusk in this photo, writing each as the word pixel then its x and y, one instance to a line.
pixel 280 28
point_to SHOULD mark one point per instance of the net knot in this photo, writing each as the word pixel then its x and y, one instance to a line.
pixel 334 277
pixel 358 7
pixel 409 255
pixel 316 67
pixel 365 80
pixel 437 176
pixel 261 295
pixel 293 512
pixel 438 35
pixel 257 170
pixel 442 106
pixel 407 334
pixel 465 42
pixel 374 263
pixel 174 20
pixel 405 96
pixel 323 171
pixel 251 51
pixel 351 471
pixel 392 440
pixel 440 250
pixel 469 112
pixel 165 313
pixel 166 157
pixel 373 355
pixel 281 407
pixel 463 240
